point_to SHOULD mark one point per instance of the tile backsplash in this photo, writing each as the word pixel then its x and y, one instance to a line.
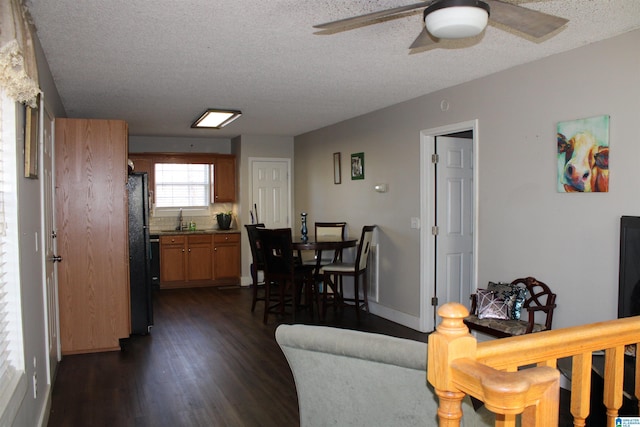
pixel 164 223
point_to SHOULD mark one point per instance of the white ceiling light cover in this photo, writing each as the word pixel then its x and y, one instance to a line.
pixel 213 118
pixel 457 22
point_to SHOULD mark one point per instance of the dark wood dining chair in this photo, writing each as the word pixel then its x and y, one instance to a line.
pixel 257 263
pixel 333 273
pixel 326 231
pixel 281 271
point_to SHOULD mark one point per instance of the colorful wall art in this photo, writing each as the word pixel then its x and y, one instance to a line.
pixel 583 155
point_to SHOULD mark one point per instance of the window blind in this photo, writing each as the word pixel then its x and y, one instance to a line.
pixel 181 184
pixel 12 369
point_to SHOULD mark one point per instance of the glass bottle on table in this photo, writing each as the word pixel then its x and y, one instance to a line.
pixel 303 227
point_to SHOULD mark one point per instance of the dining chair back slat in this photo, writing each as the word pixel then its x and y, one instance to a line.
pixel 278 251
pixel 364 247
pixel 326 232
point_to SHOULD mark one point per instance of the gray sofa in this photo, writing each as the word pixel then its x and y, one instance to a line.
pixel 352 378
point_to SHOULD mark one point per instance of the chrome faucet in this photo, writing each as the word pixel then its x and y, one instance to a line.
pixel 180 221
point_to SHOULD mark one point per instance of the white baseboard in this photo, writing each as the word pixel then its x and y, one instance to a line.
pixel 43 419
pixel 396 316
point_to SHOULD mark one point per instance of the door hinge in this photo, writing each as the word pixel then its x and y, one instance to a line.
pixel 435 158
pixel 434 301
pixel 435 230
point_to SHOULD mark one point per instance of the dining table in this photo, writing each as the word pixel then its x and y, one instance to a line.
pixel 319 245
pixel 324 244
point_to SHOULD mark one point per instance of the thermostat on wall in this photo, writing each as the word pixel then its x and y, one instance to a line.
pixel 381 188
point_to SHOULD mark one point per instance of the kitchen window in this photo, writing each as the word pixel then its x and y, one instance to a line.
pixel 182 185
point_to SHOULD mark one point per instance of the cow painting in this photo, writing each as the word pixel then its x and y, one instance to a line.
pixel 583 161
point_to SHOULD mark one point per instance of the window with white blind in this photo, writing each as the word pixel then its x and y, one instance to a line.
pixel 12 368
pixel 182 185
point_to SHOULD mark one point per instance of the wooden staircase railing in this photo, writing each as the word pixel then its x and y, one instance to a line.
pixel 518 375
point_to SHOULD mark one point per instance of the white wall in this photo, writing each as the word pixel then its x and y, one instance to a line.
pixel 166 144
pixel 569 241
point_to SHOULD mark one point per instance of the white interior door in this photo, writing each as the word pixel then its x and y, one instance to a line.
pixel 271 191
pixel 49 241
pixel 454 218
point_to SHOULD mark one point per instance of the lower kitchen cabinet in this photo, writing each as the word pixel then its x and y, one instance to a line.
pixel 226 256
pixel 199 262
pixel 173 262
pixel 189 260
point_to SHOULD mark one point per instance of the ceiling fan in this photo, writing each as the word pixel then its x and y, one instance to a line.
pixel 455 19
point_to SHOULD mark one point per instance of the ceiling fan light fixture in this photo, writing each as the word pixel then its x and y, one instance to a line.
pixel 456 19
pixel 215 118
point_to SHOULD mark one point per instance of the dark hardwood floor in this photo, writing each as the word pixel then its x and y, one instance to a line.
pixel 208 361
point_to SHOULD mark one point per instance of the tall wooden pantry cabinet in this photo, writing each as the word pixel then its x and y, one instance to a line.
pixel 91 217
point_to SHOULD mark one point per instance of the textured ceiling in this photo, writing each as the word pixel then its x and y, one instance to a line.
pixel 159 64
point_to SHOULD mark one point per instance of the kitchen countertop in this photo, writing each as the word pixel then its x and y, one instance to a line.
pixel 203 231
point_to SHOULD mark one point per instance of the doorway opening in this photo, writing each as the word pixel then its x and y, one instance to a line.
pixel 448 211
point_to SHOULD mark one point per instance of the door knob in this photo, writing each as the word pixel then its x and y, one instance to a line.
pixel 56 258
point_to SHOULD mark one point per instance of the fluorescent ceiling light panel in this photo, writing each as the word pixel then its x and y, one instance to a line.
pixel 216 119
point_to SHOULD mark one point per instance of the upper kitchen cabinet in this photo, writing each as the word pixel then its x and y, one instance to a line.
pixel 224 181
pixel 223 175
pixel 92 238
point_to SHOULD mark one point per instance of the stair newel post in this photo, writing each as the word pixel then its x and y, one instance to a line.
pixel 449 342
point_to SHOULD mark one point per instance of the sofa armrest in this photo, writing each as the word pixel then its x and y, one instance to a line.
pixel 354 344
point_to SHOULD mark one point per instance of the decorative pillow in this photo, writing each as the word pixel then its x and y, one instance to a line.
pixel 514 295
pixel 519 295
pixel 505 292
pixel 490 307
pixel 502 290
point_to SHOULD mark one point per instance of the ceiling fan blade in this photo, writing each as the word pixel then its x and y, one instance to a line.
pixel 423 40
pixel 527 21
pixel 369 17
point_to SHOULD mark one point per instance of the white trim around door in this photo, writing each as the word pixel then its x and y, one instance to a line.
pixel 427 196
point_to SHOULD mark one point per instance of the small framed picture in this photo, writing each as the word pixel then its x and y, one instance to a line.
pixel 337 177
pixel 357 166
pixel 31 142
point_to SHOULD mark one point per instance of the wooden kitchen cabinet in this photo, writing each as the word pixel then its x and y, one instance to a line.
pixel 225 180
pixel 92 237
pixel 186 260
pixel 224 170
pixel 173 263
pixel 226 256
pixel 200 259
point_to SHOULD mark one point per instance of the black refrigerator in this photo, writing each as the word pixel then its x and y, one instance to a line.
pixel 139 254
